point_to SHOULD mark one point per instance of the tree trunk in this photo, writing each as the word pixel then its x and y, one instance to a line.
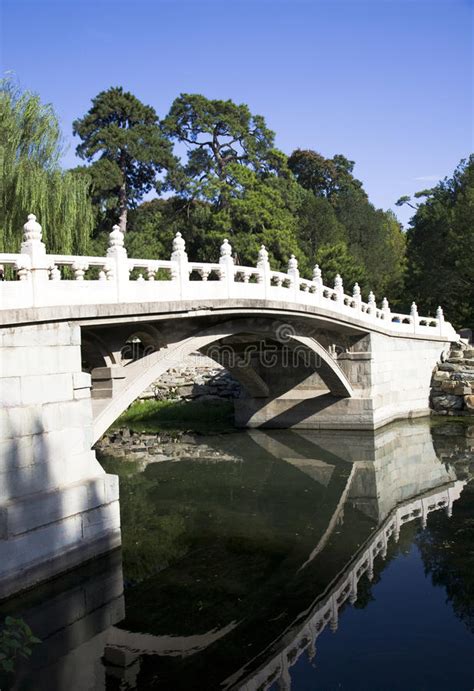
pixel 123 209
pixel 123 196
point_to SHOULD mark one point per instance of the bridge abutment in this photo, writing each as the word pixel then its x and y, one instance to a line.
pixel 390 380
pixel 58 508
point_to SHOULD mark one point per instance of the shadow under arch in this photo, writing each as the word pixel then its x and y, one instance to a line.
pixel 141 373
pixel 95 353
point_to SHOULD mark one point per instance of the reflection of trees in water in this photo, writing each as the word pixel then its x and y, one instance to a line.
pixel 152 540
pixel 248 527
pixel 447 549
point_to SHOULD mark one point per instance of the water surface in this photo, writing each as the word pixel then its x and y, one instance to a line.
pixel 274 560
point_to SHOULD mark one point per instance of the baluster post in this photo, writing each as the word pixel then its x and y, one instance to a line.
pixel 54 273
pixel 294 276
pixel 118 265
pixel 357 296
pixel 80 267
pixel 414 316
pixel 318 280
pixel 372 305
pixel 263 265
pixel 36 263
pixel 440 318
pixel 227 268
pixel 180 265
pixel 339 288
pixel 386 309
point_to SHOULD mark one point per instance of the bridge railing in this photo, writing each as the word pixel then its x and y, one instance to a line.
pixel 43 280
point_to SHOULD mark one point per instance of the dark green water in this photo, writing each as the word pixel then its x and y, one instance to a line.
pixel 311 560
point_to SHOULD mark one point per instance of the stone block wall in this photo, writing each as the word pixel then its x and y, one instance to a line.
pixel 57 505
pixel 401 371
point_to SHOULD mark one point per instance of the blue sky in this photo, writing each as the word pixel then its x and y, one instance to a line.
pixel 388 83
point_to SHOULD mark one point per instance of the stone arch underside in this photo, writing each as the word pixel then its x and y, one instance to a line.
pixel 141 373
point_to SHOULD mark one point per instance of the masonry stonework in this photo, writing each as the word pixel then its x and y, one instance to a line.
pixel 58 507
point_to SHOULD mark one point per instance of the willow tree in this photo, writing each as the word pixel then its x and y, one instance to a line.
pixel 31 180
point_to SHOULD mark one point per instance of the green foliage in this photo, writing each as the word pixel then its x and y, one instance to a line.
pixel 16 641
pixel 325 177
pixel 218 134
pixel 31 180
pixel 123 138
pixel 336 259
pixel 440 248
pixel 375 239
pixel 317 225
pixel 338 211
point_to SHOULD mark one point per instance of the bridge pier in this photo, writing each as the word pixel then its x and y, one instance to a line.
pixel 390 379
pixel 58 508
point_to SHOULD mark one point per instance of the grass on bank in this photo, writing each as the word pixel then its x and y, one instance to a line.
pixel 192 416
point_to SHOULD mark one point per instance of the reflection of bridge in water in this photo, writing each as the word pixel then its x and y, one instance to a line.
pixel 392 478
pixel 344 588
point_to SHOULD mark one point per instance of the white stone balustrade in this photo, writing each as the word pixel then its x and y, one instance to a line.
pixel 116 278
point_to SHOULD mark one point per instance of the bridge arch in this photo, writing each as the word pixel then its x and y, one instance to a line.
pixel 138 375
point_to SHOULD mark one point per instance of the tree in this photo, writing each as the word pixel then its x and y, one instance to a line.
pixel 336 259
pixel 372 238
pixel 32 180
pixel 376 240
pixel 325 177
pixel 131 148
pixel 440 249
pixel 218 134
pixel 317 225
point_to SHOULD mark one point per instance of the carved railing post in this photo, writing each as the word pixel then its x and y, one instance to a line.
pixel 386 309
pixel 117 268
pixel 36 263
pixel 226 268
pixel 180 265
pixel 414 316
pixel 357 296
pixel 372 305
pixel 440 318
pixel 263 265
pixel 339 288
pixel 294 276
pixel 318 280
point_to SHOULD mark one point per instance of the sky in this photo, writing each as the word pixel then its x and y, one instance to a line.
pixel 387 83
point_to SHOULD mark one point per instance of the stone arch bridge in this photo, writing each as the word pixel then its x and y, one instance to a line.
pixel 82 337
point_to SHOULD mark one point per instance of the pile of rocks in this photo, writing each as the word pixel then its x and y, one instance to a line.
pixel 201 379
pixel 452 385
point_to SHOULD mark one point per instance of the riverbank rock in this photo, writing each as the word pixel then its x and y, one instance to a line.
pixel 452 384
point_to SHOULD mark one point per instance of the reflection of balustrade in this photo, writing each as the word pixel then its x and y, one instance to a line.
pixel 343 588
pixel 116 278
